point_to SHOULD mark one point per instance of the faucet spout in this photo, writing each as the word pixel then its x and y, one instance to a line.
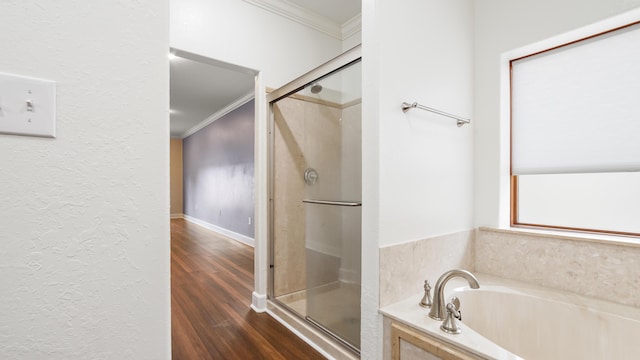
pixel 438 308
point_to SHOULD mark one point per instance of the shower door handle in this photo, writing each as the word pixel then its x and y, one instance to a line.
pixel 331 202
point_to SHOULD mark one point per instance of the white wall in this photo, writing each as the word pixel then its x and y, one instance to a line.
pixel 503 25
pixel 243 34
pixel 426 161
pixel 417 167
pixel 370 321
pixel 84 218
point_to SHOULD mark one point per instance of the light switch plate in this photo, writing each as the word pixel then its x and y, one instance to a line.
pixel 27 106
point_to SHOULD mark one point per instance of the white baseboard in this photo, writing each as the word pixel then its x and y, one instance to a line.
pixel 258 302
pixel 177 216
pixel 228 233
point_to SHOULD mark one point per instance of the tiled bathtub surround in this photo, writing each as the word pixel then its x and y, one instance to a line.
pixel 404 267
pixel 603 270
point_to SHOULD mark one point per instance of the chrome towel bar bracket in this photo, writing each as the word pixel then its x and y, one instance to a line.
pixel 460 120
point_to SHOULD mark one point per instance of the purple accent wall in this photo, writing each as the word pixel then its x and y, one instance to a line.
pixel 218 172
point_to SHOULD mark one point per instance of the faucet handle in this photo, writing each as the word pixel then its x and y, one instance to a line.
pixel 426 298
pixel 449 324
pixel 455 310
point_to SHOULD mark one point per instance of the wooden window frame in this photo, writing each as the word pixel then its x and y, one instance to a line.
pixel 514 178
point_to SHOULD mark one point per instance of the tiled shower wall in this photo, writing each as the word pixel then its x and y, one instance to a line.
pixel 324 136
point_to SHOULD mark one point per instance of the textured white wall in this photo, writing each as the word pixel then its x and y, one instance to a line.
pixel 500 26
pixel 417 168
pixel 84 260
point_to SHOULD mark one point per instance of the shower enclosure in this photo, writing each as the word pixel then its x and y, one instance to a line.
pixel 315 197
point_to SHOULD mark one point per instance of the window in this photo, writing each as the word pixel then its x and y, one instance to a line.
pixel 575 135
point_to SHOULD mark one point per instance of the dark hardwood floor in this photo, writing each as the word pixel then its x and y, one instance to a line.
pixel 211 285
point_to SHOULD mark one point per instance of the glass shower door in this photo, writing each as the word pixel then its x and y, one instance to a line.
pixel 317 203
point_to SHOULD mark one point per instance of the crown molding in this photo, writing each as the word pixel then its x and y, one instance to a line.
pixel 309 18
pixel 351 26
pixel 218 114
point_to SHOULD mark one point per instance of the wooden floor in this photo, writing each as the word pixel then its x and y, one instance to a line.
pixel 211 286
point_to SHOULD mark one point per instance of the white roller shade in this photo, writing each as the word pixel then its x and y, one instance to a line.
pixel 576 109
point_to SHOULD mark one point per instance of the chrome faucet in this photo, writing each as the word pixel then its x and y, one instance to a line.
pixel 438 308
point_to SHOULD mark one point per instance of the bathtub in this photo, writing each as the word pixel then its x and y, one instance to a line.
pixel 510 320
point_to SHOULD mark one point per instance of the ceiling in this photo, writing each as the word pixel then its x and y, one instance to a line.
pixel 202 88
pixel 199 90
